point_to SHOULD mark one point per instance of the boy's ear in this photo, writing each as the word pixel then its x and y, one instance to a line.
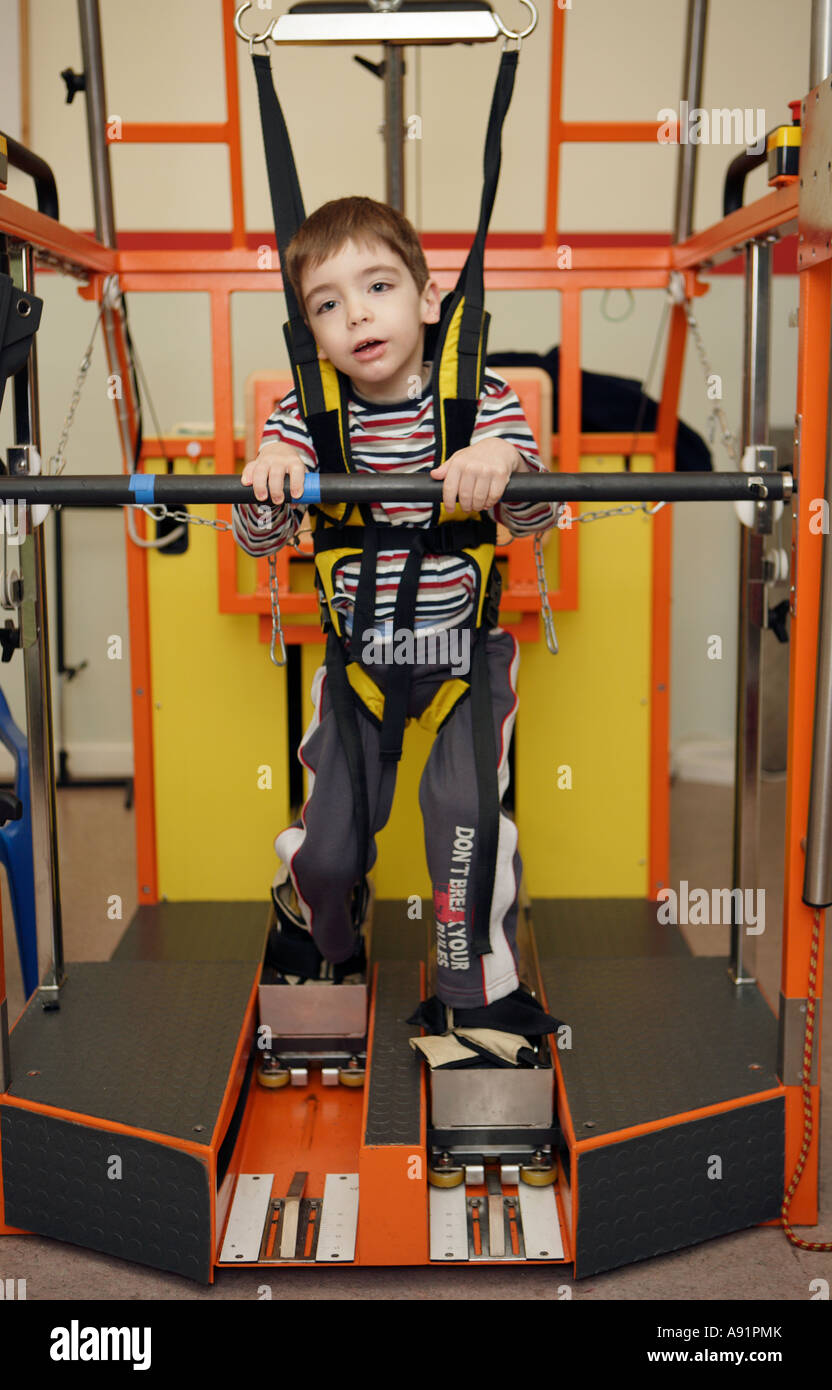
pixel 432 302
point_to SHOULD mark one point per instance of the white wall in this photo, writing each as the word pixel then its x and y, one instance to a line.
pixel 164 62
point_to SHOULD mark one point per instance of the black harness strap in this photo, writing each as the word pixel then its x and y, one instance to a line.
pixel 455 418
pixel 346 718
pixel 446 539
pixel 364 613
pixel 398 687
pixel 488 794
pixel 288 213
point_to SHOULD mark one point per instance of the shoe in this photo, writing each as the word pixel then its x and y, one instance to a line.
pixel 291 951
pixel 516 1014
pixel 475 1047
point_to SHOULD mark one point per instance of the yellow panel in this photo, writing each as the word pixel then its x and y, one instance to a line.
pixel 219 722
pixel 401 867
pixel 220 716
pixel 586 712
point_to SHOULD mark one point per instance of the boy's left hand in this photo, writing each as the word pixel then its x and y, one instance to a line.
pixel 477 476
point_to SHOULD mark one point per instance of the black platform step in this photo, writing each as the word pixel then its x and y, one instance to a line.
pixel 659 1038
pixel 146 1042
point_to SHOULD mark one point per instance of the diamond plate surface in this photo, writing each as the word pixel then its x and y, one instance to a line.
pixel 603 927
pixel 195 931
pixel 60 1180
pixel 655 1038
pixel 665 1191
pixel 393 1115
pixel 397 936
pixel 146 1043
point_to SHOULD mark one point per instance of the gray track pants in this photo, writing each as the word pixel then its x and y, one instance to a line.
pixel 321 849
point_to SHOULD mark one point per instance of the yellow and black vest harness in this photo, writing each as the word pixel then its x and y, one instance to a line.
pixel 343 531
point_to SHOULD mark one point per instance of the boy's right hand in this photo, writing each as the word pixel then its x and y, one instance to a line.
pixel 267 472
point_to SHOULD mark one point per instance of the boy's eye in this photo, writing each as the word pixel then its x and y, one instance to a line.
pixel 380 284
pixel 321 307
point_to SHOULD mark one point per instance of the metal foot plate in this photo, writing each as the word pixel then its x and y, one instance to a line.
pixel 339 1219
pixel 494 1226
pixel 248 1216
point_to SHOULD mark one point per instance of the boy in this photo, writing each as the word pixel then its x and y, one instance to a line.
pixel 365 291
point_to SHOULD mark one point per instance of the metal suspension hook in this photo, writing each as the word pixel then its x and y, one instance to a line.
pixel 252 39
pixel 524 33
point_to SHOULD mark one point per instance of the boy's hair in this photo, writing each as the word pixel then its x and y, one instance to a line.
pixel 352 219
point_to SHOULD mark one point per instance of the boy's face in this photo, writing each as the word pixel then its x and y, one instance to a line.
pixel 366 295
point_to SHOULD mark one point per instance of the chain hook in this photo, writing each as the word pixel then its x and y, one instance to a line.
pixel 523 33
pixel 252 39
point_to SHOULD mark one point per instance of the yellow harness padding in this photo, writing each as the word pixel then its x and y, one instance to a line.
pixel 341 514
pixel 432 717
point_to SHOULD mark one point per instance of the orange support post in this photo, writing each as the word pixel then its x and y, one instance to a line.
pixel 798 919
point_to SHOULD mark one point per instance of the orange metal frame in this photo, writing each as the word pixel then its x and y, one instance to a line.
pixel 510 264
pixel 222 272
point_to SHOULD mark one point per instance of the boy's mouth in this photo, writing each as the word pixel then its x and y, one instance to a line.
pixel 369 349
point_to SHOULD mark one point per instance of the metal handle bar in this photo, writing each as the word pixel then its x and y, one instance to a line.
pixel 30 163
pixel 252 39
pixel 142 489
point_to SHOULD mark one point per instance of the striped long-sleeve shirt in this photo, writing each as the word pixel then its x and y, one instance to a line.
pixel 399 438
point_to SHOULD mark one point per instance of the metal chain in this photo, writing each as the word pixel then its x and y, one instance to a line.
pixel 650 508
pixel 158 511
pixel 277 630
pixel 545 606
pixel 57 461
pixel 717 415
pixel 43 257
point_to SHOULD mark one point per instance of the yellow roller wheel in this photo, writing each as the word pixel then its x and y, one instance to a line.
pixel 538 1177
pixel 273 1078
pixel 446 1177
pixel 347 1077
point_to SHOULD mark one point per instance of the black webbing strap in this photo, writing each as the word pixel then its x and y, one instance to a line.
pixel 396 696
pixel 448 538
pixel 346 718
pixel 288 213
pixel 364 612
pixel 455 416
pixel 444 539
pixel 473 272
pixel 488 793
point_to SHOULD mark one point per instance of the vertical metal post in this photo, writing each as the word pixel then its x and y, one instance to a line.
pixel 394 125
pixel 820 50
pixel 817 880
pixel 34 642
pixel 112 319
pixel 751 613
pixel 89 20
pixel 691 93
